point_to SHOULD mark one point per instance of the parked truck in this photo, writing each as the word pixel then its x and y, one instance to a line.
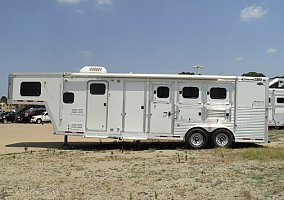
pixel 196 109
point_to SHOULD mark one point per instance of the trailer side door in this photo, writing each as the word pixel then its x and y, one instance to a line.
pixel 279 110
pixel 97 106
pixel 161 108
pixel 134 106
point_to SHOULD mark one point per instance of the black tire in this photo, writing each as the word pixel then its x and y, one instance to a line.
pixel 196 138
pixel 39 121
pixel 222 138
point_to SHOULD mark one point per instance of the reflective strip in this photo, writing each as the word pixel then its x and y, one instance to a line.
pixel 252 139
pixel 174 136
pixel 74 132
pixel 29 101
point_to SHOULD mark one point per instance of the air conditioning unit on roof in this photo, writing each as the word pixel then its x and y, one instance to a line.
pixel 93 69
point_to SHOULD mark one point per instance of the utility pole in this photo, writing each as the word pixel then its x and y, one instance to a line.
pixel 197 67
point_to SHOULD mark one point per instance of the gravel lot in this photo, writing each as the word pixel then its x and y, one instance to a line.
pixel 34 165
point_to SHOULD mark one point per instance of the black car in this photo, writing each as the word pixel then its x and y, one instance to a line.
pixel 8 117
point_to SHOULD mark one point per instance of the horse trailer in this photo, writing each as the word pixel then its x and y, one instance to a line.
pixel 196 109
pixel 276 103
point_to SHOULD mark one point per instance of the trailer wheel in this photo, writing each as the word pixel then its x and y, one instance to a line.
pixel 196 138
pixel 222 138
pixel 38 121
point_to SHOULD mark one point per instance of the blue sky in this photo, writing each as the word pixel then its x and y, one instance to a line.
pixel 141 36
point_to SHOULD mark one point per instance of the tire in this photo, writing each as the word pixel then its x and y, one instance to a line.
pixel 222 138
pixel 196 138
pixel 38 121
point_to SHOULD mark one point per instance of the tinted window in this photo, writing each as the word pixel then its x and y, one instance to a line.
pixel 218 93
pixel 280 100
pixel 68 97
pixel 190 92
pixel 163 92
pixel 30 89
pixel 97 89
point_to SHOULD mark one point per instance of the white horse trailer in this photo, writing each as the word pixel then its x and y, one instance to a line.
pixel 276 103
pixel 197 109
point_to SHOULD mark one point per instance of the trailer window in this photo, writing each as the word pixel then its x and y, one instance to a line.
pixel 98 89
pixel 280 100
pixel 190 92
pixel 68 97
pixel 163 92
pixel 30 89
pixel 218 93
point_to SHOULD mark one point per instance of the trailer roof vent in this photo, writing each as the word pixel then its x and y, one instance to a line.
pixel 93 69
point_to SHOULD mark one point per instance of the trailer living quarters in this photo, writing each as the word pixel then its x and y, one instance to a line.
pixel 276 103
pixel 197 109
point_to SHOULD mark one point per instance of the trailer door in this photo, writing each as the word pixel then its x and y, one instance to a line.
pixel 97 106
pixel 189 102
pixel 219 101
pixel 279 110
pixel 134 106
pixel 161 109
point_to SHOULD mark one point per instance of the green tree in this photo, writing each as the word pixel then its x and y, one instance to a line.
pixel 186 73
pixel 3 99
pixel 254 74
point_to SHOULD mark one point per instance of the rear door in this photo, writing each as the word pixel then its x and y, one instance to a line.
pixel 97 106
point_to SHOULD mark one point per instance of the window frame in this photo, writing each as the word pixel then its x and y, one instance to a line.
pixel 93 91
pixel 280 102
pixel 190 97
pixel 159 92
pixel 217 96
pixel 30 88
pixel 68 100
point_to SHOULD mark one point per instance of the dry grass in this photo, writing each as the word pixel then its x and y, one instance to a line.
pixel 144 171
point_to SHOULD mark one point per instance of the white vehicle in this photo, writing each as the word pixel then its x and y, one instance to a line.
pixel 276 103
pixel 38 119
pixel 197 109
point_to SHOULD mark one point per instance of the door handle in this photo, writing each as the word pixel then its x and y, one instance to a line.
pixel 168 113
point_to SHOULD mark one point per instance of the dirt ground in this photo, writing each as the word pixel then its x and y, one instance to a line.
pixel 34 165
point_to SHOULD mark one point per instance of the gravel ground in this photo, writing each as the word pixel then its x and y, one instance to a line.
pixel 146 170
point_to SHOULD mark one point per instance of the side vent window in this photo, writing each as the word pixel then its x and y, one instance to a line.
pixel 98 88
pixel 190 92
pixel 280 100
pixel 163 92
pixel 68 97
pixel 218 93
pixel 30 89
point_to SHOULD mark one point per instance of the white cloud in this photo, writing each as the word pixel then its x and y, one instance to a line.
pixel 104 2
pixel 69 1
pixel 252 12
pixel 86 54
pixel 271 50
pixel 80 11
pixel 239 58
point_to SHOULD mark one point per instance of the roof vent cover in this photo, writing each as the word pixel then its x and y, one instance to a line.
pixel 93 69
